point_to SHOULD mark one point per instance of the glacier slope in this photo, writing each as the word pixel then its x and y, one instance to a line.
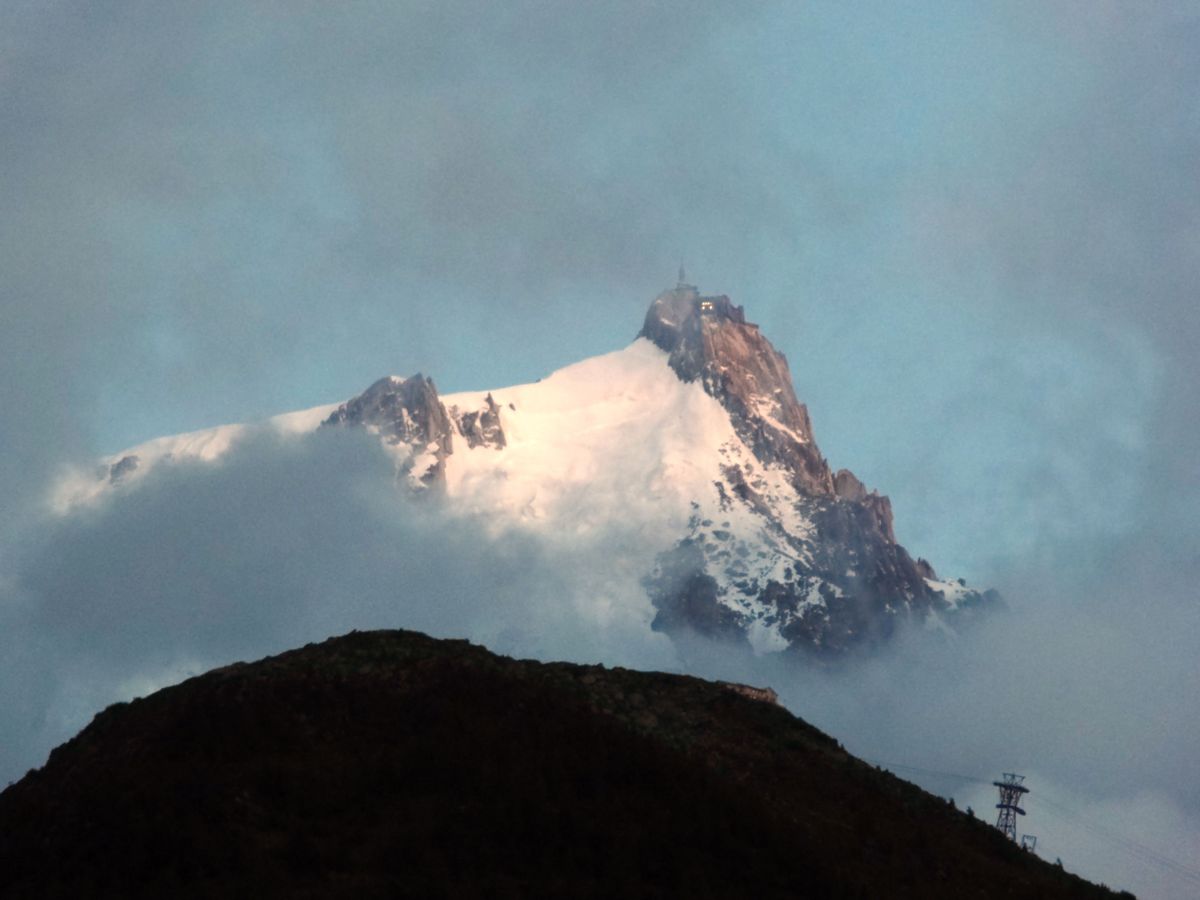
pixel 686 452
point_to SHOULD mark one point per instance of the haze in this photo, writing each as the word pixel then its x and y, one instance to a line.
pixel 974 229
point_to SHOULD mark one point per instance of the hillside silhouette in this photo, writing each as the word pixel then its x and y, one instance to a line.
pixel 391 764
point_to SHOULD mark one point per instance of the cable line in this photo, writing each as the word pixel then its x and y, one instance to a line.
pixel 1064 812
pixel 1130 846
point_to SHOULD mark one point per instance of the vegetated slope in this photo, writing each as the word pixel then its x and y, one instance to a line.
pixel 390 764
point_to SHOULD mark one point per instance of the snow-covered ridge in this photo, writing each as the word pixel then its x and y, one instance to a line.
pixel 617 441
pixel 78 487
pixel 614 437
pixel 687 452
pixel 618 424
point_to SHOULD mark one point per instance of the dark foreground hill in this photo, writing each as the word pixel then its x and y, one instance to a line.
pixel 390 764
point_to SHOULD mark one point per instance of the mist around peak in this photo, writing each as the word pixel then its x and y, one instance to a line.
pixel 972 232
pixel 289 539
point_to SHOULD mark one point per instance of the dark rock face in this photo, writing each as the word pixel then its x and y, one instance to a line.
pixel 408 412
pixel 122 467
pixel 404 412
pixel 850 490
pixel 848 583
pixel 481 428
pixel 849 587
pixel 686 596
pixel 847 487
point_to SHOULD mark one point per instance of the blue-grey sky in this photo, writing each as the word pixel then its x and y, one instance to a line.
pixel 974 229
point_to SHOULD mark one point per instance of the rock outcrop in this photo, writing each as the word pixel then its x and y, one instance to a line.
pixel 408 415
pixel 709 340
pixel 844 581
pixel 847 487
pixel 122 467
pixel 481 427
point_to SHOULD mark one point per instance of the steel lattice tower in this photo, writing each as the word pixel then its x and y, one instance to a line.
pixel 1011 790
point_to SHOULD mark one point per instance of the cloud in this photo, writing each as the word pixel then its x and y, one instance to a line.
pixel 209 214
pixel 972 228
pixel 1088 700
pixel 1082 227
pixel 284 541
pixel 291 539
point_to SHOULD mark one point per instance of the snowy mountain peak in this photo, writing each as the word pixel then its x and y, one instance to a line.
pixel 686 455
pixel 710 341
pixel 814 561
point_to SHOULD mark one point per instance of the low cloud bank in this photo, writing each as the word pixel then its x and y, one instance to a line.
pixel 1083 685
pixel 285 541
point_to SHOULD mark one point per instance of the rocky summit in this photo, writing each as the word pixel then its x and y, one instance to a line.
pixel 690 445
pixel 849 580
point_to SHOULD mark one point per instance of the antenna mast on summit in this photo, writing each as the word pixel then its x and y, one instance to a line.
pixel 682 276
pixel 1011 791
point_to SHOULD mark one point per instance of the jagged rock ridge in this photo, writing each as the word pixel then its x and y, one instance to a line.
pixel 709 339
pixel 849 581
pixel 407 413
pixel 691 442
